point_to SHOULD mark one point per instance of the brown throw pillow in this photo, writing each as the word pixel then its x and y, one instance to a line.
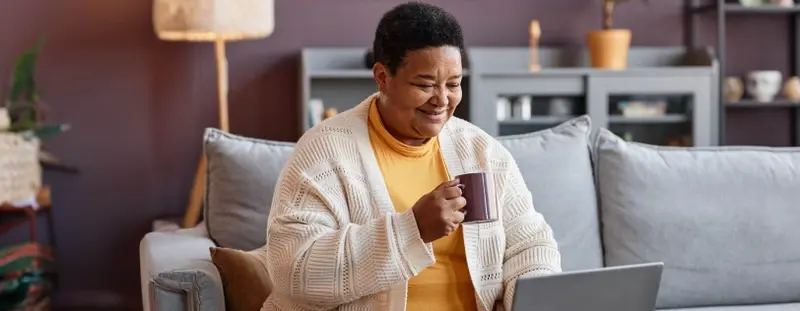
pixel 244 277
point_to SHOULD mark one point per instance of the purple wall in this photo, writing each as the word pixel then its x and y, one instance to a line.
pixel 139 105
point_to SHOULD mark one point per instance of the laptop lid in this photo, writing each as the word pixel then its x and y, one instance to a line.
pixel 619 288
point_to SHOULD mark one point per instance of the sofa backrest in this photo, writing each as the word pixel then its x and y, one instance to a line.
pixel 555 164
pixel 724 220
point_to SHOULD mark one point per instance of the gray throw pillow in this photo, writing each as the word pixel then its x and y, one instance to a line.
pixel 556 166
pixel 240 182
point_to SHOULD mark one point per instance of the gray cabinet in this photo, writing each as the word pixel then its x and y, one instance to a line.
pixel 679 80
pixel 664 97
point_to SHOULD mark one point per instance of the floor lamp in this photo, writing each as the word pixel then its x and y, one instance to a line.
pixel 217 21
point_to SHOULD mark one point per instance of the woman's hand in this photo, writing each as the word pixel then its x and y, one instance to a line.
pixel 438 213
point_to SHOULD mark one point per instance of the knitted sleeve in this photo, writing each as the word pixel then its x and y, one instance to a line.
pixel 317 258
pixel 530 246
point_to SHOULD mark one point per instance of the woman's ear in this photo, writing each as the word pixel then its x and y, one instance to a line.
pixel 381 75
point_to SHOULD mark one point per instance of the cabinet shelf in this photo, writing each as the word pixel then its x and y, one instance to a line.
pixel 538 120
pixel 340 74
pixel 779 103
pixel 734 8
pixel 668 118
pixel 346 74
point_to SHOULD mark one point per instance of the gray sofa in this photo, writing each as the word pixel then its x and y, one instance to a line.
pixel 725 220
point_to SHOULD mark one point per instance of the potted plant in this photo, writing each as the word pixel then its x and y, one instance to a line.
pixel 24 114
pixel 26 111
pixel 608 47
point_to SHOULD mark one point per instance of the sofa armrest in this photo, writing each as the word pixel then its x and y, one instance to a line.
pixel 177 272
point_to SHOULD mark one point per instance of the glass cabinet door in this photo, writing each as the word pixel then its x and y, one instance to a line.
pixel 667 111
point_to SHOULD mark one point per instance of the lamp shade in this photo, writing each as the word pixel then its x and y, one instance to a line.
pixel 213 20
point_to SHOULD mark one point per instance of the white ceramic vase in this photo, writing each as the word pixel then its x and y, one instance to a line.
pixel 763 86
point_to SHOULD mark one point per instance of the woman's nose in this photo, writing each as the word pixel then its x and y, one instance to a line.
pixel 441 97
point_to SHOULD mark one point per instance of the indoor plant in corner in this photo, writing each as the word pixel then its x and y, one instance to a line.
pixel 26 111
pixel 22 127
pixel 608 47
pixel 27 114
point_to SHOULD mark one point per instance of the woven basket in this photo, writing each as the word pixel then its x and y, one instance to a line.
pixel 20 171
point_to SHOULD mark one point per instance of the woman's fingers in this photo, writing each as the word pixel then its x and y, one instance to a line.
pixel 458 217
pixel 452 192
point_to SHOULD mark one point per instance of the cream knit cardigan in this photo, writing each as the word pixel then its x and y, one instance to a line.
pixel 334 240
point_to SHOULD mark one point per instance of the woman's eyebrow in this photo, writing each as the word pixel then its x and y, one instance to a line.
pixel 431 77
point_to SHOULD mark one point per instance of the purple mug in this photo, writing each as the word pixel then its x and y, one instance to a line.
pixel 478 190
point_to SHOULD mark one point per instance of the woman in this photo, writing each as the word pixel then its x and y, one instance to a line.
pixel 366 213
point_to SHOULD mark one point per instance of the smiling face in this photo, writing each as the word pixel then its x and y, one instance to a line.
pixel 422 95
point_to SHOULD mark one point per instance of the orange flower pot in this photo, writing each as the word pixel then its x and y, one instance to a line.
pixel 608 49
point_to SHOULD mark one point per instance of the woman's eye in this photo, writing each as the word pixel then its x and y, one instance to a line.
pixel 453 85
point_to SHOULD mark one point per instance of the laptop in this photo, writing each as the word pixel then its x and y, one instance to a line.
pixel 619 288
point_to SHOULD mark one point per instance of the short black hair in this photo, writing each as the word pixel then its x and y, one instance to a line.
pixel 414 26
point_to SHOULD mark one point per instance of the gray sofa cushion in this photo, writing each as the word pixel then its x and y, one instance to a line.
pixel 725 221
pixel 556 166
pixel 240 181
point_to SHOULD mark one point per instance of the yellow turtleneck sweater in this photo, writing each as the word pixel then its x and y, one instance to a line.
pixel 409 173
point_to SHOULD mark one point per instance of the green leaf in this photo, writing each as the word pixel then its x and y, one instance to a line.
pixel 23 100
pixel 23 83
pixel 51 130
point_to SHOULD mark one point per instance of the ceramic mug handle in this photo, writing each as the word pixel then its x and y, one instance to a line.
pixel 464 209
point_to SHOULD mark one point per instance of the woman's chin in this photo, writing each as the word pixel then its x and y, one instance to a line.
pixel 429 130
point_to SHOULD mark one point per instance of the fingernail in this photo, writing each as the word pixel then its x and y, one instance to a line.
pixel 461 186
